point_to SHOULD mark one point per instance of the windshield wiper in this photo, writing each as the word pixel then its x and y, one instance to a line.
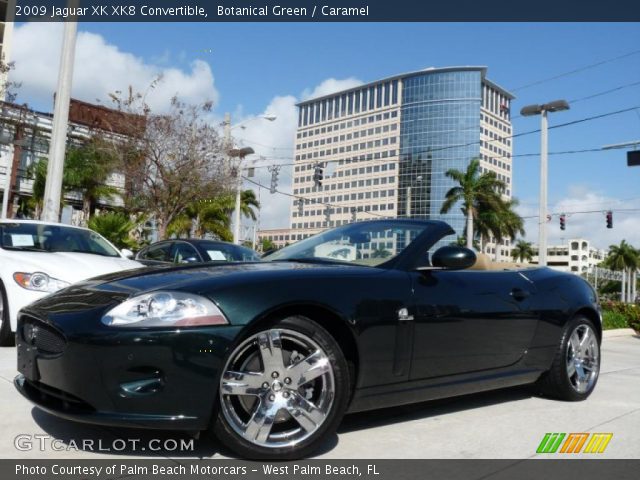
pixel 25 249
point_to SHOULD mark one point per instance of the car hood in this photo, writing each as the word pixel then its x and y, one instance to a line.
pixel 70 267
pixel 206 276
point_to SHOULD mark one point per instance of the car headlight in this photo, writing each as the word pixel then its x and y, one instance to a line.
pixel 39 282
pixel 165 309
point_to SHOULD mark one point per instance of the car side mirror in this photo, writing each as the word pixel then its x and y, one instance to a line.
pixel 453 258
pixel 126 253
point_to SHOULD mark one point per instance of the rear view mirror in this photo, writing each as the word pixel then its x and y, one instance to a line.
pixel 359 238
pixel 126 253
pixel 453 258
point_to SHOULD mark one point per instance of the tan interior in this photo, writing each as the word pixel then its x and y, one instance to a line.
pixel 484 262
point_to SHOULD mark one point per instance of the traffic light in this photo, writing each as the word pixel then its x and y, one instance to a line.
pixel 327 214
pixel 563 222
pixel 300 207
pixel 318 174
pixel 609 219
pixel 354 213
pixel 275 170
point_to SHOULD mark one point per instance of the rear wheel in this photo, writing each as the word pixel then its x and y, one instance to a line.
pixel 576 366
pixel 283 390
pixel 7 338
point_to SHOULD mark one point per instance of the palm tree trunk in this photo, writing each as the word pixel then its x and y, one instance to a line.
pixel 495 256
pixel 470 228
pixel 86 209
pixel 623 289
pixel 634 292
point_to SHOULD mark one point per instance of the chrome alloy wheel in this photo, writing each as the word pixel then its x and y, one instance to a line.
pixel 277 388
pixel 583 358
pixel 1 309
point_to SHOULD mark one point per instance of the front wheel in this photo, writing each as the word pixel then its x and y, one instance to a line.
pixel 284 390
pixel 576 366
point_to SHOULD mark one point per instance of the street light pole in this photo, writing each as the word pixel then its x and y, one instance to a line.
pixel 57 147
pixel 542 110
pixel 544 161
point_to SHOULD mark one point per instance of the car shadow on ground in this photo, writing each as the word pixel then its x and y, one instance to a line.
pixel 433 408
pixel 136 442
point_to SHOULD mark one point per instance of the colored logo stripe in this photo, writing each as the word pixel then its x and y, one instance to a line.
pixel 598 442
pixel 574 443
pixel 550 443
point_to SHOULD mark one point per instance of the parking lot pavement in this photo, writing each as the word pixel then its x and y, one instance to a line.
pixel 504 424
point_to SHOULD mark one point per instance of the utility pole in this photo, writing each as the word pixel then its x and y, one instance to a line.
pixel 57 147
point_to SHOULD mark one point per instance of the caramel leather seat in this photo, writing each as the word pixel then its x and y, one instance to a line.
pixel 484 262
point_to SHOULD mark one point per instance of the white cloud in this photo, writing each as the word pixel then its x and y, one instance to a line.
pixel 330 85
pixel 590 226
pixel 102 68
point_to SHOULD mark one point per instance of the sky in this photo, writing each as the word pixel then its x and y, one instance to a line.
pixel 249 69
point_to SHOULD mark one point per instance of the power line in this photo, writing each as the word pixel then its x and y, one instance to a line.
pixel 310 200
pixel 577 70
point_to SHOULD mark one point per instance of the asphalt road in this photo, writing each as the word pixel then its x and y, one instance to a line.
pixel 504 424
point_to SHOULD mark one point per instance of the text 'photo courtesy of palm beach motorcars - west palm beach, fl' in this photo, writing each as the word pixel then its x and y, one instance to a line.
pixel 264 238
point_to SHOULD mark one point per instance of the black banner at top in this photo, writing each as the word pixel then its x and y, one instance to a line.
pixel 328 10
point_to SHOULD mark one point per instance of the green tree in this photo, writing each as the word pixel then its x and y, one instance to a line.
pixel 472 190
pixel 115 227
pixel 213 216
pixel 522 251
pixel 267 244
pixel 86 170
pixel 624 258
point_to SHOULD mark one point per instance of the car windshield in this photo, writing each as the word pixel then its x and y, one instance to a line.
pixel 221 252
pixel 53 238
pixel 366 243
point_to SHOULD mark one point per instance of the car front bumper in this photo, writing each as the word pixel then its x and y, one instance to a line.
pixel 166 379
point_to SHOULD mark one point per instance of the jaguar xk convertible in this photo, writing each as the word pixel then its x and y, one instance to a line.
pixel 270 355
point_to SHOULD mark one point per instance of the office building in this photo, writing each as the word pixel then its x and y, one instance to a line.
pixel 383 148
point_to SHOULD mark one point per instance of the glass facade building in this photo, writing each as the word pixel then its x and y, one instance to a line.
pixel 385 147
pixel 439 130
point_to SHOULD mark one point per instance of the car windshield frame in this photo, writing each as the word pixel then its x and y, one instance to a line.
pixel 356 240
pixel 52 238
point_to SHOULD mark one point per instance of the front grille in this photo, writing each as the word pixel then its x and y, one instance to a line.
pixel 45 338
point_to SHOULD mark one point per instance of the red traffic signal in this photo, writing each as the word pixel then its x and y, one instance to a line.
pixel 609 219
pixel 563 222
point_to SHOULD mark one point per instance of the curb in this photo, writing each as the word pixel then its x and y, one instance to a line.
pixel 618 332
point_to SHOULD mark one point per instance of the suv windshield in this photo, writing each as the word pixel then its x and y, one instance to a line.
pixel 53 238
pixel 366 243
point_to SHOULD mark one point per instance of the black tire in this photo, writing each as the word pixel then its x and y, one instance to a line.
pixel 223 426
pixel 7 338
pixel 557 382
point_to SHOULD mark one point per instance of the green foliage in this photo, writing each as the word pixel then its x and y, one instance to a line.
pixel 115 227
pixel 522 251
pixel 267 244
pixel 611 320
pixel 480 196
pixel 629 311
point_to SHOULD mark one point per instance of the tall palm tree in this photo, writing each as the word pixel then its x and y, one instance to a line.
pixel 624 258
pixel 86 170
pixel 472 189
pixel 522 251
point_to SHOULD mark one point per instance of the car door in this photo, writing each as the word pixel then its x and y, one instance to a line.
pixel 467 321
